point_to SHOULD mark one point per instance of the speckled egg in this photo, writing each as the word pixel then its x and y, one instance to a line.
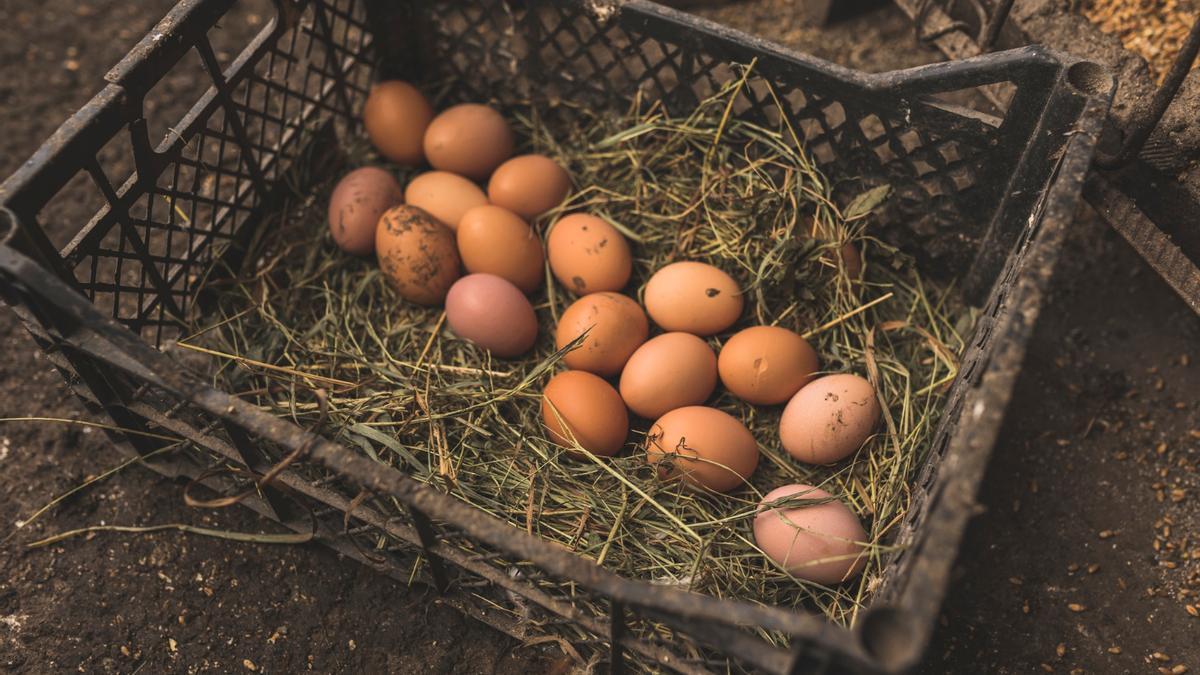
pixel 617 324
pixel 587 255
pixel 670 371
pixel 468 139
pixel 829 419
pixel 703 446
pixel 529 185
pixel 766 365
pixel 822 541
pixel 396 116
pixel 444 196
pixel 492 313
pixel 496 241
pixel 694 298
pixel 417 254
pixel 580 405
pixel 356 204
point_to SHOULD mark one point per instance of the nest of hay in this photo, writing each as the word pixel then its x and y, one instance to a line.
pixel 315 335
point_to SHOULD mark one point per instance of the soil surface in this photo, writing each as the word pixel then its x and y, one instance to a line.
pixel 1081 558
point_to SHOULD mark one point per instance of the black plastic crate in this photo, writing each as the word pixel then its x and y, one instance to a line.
pixel 978 197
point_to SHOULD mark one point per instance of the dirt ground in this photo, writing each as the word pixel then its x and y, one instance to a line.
pixel 1081 557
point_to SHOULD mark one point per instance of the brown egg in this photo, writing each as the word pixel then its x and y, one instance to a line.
pixel 529 185
pixel 703 446
pixel 492 313
pixel 587 255
pixel 829 419
pixel 618 327
pixel 396 116
pixel 766 365
pixel 356 204
pixel 694 298
pixel 417 254
pixel 444 196
pixel 591 410
pixel 468 139
pixel 670 371
pixel 822 542
pixel 496 241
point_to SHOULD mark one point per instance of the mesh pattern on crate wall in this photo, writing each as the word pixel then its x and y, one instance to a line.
pixel 974 362
pixel 485 50
pixel 202 186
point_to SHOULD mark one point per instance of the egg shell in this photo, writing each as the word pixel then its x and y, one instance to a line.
pixel 824 542
pixel 357 202
pixel 468 139
pixel 529 185
pixel 494 240
pixel 417 254
pixel 445 196
pixel 587 255
pixel 670 371
pixel 618 327
pixel 703 446
pixel 492 313
pixel 396 116
pixel 694 298
pixel 766 365
pixel 829 418
pixel 591 409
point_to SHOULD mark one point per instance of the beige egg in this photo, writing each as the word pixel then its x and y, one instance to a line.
pixel 444 196
pixel 580 405
pixel 587 255
pixel 529 185
pixel 417 254
pixel 673 370
pixel 829 419
pixel 766 365
pixel 396 116
pixel 693 297
pixel 821 541
pixel 356 204
pixel 468 139
pixel 494 240
pixel 703 446
pixel 615 325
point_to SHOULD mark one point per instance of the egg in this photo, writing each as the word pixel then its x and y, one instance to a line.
pixel 396 116
pixel 529 185
pixel 703 446
pixel 587 255
pixel 766 365
pixel 618 327
pixel 357 202
pixel 823 542
pixel 670 371
pixel 492 313
pixel 829 418
pixel 693 297
pixel 583 406
pixel 496 241
pixel 417 254
pixel 468 139
pixel 445 196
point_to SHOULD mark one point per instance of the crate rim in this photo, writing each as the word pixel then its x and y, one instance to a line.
pixel 79 326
